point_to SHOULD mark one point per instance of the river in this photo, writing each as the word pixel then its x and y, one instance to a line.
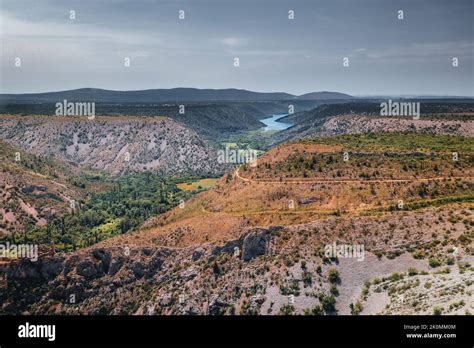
pixel 273 124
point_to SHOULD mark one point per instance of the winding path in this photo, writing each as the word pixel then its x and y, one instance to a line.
pixel 348 181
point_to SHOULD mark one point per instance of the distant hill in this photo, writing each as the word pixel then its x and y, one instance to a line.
pixel 148 96
pixel 163 95
pixel 325 95
pixel 363 116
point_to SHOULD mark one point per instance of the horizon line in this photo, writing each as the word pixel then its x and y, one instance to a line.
pixel 252 91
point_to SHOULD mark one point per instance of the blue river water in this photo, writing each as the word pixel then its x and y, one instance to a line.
pixel 273 124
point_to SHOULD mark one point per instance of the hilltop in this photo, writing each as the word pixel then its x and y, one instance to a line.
pixel 165 95
pixel 325 95
pixel 303 181
pixel 118 145
pixel 363 116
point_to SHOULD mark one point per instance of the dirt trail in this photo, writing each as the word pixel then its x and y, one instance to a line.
pixel 347 181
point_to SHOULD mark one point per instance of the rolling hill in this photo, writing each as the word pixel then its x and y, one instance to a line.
pixel 164 95
pixel 33 190
pixel 363 116
pixel 324 95
pixel 118 145
pixel 257 242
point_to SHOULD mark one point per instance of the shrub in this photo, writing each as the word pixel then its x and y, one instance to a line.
pixel 307 279
pixel 433 262
pixel 376 281
pixel 328 302
pixel 396 276
pixel 287 310
pixel 356 308
pixel 419 254
pixel 316 310
pixel 365 291
pixel 444 271
pixel 293 288
pixel 333 275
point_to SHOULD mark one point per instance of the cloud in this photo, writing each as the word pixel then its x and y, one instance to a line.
pixel 297 56
pixel 422 51
pixel 233 42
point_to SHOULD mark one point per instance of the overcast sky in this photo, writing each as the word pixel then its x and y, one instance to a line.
pixel 386 55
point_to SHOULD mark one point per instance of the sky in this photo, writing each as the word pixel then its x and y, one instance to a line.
pixel 386 55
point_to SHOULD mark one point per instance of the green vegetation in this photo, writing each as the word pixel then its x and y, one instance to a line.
pixel 292 289
pixel 401 142
pixel 316 310
pixel 384 156
pixel 395 276
pixel 365 290
pixel 14 159
pixel 434 262
pixel 287 310
pixel 435 202
pixel 124 205
pixel 255 139
pixel 307 279
pixel 450 116
pixel 328 302
pixel 373 165
pixel 356 308
pixel 201 184
pixel 333 275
